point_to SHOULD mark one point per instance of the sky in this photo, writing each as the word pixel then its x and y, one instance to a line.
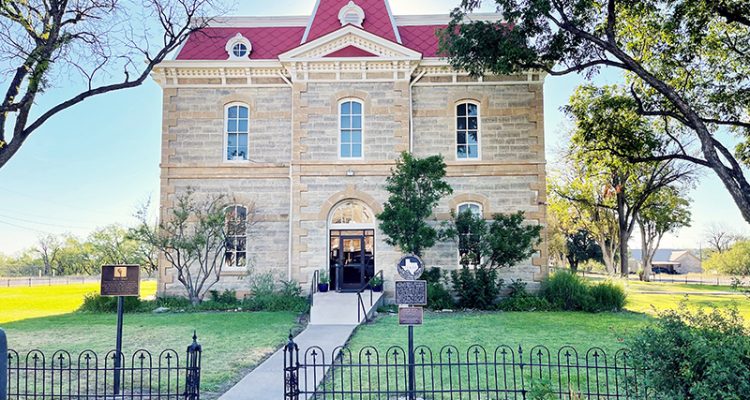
pixel 96 163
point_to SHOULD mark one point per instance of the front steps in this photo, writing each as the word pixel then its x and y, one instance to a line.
pixel 332 308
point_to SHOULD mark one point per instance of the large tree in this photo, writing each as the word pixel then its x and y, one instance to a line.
pixel 416 186
pixel 600 114
pixel 103 46
pixel 666 211
pixel 687 61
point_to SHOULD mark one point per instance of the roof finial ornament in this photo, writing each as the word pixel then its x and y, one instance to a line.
pixel 352 14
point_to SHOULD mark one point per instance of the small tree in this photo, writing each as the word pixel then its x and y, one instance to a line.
pixel 192 240
pixel 666 211
pixel 509 241
pixel 416 186
pixel 735 261
pixel 581 247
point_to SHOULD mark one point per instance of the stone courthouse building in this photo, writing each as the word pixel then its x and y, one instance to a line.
pixel 301 119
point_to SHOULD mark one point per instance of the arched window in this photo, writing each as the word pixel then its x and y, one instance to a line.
pixel 351 127
pixel 467 131
pixel 237 130
pixel 235 254
pixel 469 240
pixel 352 212
pixel 475 208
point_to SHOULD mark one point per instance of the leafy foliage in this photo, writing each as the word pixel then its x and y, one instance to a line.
pixel 570 292
pixel 93 302
pixel 476 289
pixel 694 355
pixel 438 297
pixel 581 247
pixel 735 261
pixel 415 186
pixel 687 63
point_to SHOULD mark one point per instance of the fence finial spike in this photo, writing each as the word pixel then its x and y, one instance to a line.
pixel 195 336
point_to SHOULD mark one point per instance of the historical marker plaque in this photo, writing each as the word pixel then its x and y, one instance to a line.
pixel 410 267
pixel 410 316
pixel 412 293
pixel 121 280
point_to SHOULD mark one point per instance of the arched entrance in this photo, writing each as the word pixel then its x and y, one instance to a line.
pixel 351 244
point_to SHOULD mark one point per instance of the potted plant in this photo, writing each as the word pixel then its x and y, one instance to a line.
pixel 376 284
pixel 323 281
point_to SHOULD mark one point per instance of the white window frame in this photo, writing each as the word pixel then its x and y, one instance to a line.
pixel 225 132
pixel 226 267
pixel 480 215
pixel 235 40
pixel 362 150
pixel 479 130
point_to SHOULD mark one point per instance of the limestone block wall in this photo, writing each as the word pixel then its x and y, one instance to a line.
pixel 386 119
pixel 196 124
pixel 511 118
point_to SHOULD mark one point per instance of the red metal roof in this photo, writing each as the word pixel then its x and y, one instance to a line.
pixel 421 38
pixel 351 51
pixel 377 18
pixel 268 43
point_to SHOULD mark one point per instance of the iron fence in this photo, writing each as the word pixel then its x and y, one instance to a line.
pixel 476 374
pixel 144 375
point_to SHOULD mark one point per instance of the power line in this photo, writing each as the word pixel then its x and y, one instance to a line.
pixel 44 223
pixel 22 227
pixel 44 200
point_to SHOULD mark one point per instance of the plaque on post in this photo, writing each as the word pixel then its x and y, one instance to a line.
pixel 411 293
pixel 410 316
pixel 120 280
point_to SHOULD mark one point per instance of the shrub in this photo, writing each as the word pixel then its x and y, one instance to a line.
pixel 524 303
pixel 517 288
pixel 173 302
pixel 438 297
pixel 227 297
pixel 275 302
pixel 478 288
pixel 566 291
pixel 93 302
pixel 263 284
pixel 607 296
pixel 694 355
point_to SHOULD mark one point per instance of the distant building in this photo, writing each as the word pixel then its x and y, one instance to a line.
pixel 670 261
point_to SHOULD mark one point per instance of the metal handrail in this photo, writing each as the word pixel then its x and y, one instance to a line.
pixel 314 286
pixel 361 303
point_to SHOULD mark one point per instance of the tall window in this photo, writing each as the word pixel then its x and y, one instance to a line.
pixel 235 254
pixel 467 131
pixel 469 234
pixel 237 132
pixel 351 129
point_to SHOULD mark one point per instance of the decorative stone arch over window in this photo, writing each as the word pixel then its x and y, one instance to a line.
pixel 239 47
pixel 352 14
pixel 349 194
pixel 467 198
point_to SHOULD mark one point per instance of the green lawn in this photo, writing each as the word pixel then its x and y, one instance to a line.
pixel 553 329
pixel 42 318
pixel 19 303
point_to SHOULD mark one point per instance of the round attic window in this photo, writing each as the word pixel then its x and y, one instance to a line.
pixel 239 50
pixel 239 47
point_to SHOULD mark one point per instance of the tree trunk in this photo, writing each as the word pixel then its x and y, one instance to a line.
pixel 624 234
pixel 608 254
pixel 647 253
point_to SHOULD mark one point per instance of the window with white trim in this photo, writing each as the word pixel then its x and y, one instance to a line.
pixel 469 242
pixel 351 127
pixel 237 132
pixel 239 47
pixel 467 131
pixel 235 252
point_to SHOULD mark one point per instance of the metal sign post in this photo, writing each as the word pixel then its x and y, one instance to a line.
pixel 409 293
pixel 3 366
pixel 120 281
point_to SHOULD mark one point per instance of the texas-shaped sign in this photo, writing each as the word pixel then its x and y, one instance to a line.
pixel 410 267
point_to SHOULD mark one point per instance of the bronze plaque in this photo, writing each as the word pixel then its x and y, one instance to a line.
pixel 411 293
pixel 410 316
pixel 121 280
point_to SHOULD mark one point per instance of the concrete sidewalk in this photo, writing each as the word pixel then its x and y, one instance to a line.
pixel 266 382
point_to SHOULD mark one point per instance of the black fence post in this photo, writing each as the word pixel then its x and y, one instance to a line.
pixel 3 366
pixel 291 370
pixel 193 370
